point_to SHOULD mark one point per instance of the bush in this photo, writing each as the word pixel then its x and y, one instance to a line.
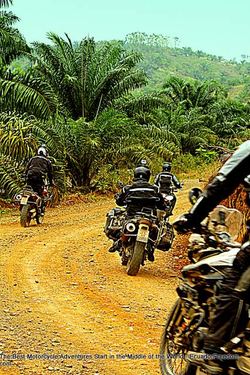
pixel 107 179
pixel 194 166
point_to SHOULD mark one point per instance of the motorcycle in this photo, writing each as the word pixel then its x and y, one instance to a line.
pixel 170 200
pixel 139 235
pixel 31 205
pixel 211 252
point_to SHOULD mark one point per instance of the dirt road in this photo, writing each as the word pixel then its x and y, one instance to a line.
pixel 68 306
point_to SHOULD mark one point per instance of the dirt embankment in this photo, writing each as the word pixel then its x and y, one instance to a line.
pixel 62 295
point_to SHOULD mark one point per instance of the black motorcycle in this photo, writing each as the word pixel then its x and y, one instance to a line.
pixel 211 252
pixel 170 201
pixel 31 205
pixel 139 235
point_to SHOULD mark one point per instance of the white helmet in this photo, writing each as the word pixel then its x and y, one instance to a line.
pixel 42 151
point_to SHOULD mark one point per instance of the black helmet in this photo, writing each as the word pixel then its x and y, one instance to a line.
pixel 166 167
pixel 142 173
pixel 194 195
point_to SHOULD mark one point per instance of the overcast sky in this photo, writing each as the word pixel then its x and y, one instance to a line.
pixel 219 27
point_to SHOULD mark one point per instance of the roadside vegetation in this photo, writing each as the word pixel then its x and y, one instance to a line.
pixel 100 107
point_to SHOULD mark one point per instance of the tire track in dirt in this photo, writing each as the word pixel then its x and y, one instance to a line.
pixel 62 292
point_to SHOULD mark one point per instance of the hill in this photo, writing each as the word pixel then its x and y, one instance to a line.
pixel 161 61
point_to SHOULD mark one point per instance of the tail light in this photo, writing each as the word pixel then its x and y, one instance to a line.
pixel 45 191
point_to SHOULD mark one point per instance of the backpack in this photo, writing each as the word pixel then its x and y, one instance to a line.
pixel 165 182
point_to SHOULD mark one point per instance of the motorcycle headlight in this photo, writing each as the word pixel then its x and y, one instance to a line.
pixel 130 227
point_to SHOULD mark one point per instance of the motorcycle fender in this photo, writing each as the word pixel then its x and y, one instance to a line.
pixel 24 200
pixel 143 233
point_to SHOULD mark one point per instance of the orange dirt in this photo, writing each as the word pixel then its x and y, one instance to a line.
pixel 63 294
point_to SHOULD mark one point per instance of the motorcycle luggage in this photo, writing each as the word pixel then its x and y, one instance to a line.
pixel 113 225
pixel 166 236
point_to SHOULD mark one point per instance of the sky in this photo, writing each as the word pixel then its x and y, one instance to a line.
pixel 218 27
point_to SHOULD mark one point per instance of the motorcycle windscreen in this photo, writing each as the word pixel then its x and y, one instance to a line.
pixel 229 219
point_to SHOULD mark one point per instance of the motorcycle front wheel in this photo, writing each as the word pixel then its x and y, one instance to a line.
pixel 172 350
pixel 25 216
pixel 136 258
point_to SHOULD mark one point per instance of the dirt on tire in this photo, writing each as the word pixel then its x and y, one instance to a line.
pixel 69 307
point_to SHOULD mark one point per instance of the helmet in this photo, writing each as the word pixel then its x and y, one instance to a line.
pixel 143 163
pixel 42 151
pixel 142 173
pixel 166 167
pixel 194 195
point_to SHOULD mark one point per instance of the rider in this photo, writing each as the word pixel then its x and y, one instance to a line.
pixel 37 169
pixel 138 195
pixel 226 323
pixel 167 181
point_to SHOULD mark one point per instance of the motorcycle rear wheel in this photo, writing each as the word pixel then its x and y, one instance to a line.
pixel 25 216
pixel 136 258
pixel 172 355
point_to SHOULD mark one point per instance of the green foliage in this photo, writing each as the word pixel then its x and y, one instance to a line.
pixel 162 58
pixel 12 43
pixel 10 175
pixel 107 178
pixel 5 3
pixel 86 77
pixel 85 101
pixel 194 166
pixel 208 156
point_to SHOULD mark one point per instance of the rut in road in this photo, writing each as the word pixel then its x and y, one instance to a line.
pixel 62 293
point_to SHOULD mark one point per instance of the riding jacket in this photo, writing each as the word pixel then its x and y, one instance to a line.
pixel 165 181
pixel 40 165
pixel 234 172
pixel 138 195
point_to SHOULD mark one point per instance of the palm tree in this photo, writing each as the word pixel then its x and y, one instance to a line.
pixel 12 43
pixel 193 93
pixel 5 3
pixel 24 93
pixel 87 77
pixel 20 136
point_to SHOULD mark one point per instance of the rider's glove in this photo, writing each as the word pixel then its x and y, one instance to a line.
pixel 184 223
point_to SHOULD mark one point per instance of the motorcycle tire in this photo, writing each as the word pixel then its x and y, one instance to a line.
pixel 136 258
pixel 172 360
pixel 124 259
pixel 24 216
pixel 39 219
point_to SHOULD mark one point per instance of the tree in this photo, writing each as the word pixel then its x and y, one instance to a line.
pixel 12 44
pixel 5 3
pixel 87 77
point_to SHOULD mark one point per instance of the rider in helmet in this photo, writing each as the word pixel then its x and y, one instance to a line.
pixel 138 195
pixel 37 169
pixel 141 193
pixel 231 313
pixel 167 182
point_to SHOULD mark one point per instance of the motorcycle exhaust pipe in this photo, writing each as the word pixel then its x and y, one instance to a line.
pixel 130 227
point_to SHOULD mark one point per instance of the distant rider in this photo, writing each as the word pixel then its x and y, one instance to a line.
pixel 138 195
pixel 167 182
pixel 38 168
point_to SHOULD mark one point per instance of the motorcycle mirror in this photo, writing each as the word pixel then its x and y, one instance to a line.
pixel 120 184
pixel 194 195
